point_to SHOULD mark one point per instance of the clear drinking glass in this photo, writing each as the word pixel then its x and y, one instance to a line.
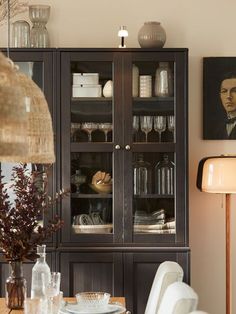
pixel 51 290
pixel 146 123
pixel 171 124
pixel 89 127
pixel 33 306
pixel 135 124
pixel 160 125
pixel 73 129
pixel 105 127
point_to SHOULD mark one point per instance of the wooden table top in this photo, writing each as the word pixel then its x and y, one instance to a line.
pixel 5 310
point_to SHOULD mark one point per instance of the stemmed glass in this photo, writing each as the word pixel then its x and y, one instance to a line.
pixel 160 125
pixel 89 127
pixel 171 124
pixel 105 127
pixel 74 127
pixel 146 123
pixel 135 124
pixel 51 288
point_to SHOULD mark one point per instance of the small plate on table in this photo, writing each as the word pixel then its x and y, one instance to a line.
pixel 75 308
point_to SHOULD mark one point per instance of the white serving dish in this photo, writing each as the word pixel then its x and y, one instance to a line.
pixel 86 90
pixel 85 78
pixel 93 228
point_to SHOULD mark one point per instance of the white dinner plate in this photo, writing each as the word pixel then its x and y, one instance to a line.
pixel 76 309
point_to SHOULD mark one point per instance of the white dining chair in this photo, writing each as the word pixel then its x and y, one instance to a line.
pixel 179 298
pixel 198 312
pixel 167 273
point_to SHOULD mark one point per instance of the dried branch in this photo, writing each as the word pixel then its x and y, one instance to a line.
pixel 16 7
pixel 19 230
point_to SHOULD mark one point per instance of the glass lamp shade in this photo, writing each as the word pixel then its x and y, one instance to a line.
pixel 122 32
pixel 217 174
pixel 13 117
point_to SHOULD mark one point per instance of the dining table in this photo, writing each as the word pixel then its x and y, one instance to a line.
pixel 5 310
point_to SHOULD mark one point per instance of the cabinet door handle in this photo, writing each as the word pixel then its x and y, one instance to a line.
pixel 117 147
pixel 127 147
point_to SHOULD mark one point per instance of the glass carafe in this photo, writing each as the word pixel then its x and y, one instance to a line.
pixel 142 176
pixel 164 81
pixel 164 176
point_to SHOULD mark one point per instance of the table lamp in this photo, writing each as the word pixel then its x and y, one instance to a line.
pixel 217 175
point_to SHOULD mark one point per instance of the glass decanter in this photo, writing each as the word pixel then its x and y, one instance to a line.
pixel 164 176
pixel 164 81
pixel 142 176
pixel 39 15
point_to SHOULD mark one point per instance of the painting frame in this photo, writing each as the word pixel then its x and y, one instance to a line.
pixel 217 73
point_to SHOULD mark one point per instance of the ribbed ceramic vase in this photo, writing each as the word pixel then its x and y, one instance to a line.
pixel 152 35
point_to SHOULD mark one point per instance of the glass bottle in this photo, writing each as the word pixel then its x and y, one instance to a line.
pixel 40 267
pixel 164 80
pixel 142 176
pixel 164 176
pixel 20 34
pixel 15 286
pixel 39 15
pixel 77 179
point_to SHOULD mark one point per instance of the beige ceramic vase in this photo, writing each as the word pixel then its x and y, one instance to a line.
pixel 152 35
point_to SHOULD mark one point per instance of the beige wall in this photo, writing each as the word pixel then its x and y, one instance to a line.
pixel 207 28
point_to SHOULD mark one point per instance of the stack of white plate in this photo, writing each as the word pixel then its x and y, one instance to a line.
pixel 145 86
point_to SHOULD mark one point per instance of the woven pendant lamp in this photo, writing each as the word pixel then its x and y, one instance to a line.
pixel 13 115
pixel 39 123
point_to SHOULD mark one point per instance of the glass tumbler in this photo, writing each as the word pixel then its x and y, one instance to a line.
pixel 20 34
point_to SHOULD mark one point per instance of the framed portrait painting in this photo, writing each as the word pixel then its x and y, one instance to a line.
pixel 219 98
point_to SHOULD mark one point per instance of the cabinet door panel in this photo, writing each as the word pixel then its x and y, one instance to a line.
pixel 139 272
pixel 91 272
pixel 92 127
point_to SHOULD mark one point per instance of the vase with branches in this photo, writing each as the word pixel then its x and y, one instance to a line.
pixel 20 232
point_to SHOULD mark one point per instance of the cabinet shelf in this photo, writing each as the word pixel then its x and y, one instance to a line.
pixel 154 196
pixel 80 195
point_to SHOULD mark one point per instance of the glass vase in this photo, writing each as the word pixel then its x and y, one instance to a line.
pixel 15 286
pixel 39 15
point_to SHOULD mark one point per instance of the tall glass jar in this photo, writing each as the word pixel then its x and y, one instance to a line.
pixel 39 15
pixel 164 81
pixel 142 176
pixel 15 286
pixel 20 34
pixel 164 176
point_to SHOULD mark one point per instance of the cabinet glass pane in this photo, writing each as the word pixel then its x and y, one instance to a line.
pixel 91 101
pixel 154 193
pixel 153 101
pixel 91 197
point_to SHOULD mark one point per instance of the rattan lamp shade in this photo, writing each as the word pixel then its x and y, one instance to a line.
pixel 39 123
pixel 13 116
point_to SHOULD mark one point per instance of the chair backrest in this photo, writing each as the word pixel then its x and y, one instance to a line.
pixel 179 298
pixel 198 312
pixel 167 273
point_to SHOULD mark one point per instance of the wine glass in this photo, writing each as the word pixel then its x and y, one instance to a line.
pixel 89 127
pixel 105 127
pixel 51 288
pixel 146 123
pixel 74 127
pixel 171 124
pixel 160 125
pixel 135 124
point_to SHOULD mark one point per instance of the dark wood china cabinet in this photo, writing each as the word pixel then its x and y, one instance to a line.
pixel 120 121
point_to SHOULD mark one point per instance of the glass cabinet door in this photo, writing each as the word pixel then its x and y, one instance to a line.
pixel 154 142
pixel 39 67
pixel 92 170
